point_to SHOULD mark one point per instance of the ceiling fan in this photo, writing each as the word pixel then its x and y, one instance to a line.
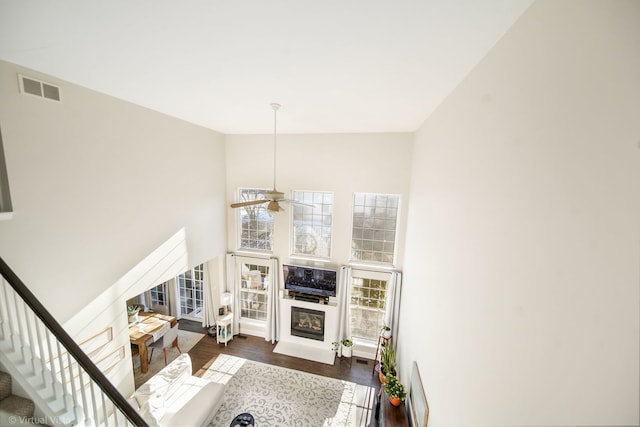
pixel 272 197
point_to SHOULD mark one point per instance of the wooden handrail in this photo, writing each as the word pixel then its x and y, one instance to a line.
pixel 67 342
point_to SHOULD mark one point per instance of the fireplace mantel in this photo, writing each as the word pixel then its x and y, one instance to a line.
pixel 318 350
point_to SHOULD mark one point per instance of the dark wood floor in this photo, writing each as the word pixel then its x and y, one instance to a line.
pixel 358 370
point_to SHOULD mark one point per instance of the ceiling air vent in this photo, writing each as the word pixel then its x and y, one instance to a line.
pixel 39 88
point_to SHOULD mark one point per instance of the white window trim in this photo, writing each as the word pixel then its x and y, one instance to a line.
pixel 308 257
pixel 374 264
pixel 238 228
pixel 366 347
pixel 250 324
pixel 6 207
pixel 182 315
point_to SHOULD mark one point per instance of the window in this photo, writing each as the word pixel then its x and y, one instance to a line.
pixel 312 224
pixel 253 291
pixel 368 296
pixel 256 223
pixel 157 298
pixel 5 197
pixel 190 292
pixel 374 228
pixel 158 295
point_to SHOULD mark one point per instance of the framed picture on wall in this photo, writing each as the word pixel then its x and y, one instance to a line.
pixel 417 401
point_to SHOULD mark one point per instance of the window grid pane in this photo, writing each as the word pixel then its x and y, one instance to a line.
pixel 190 285
pixel 256 223
pixel 374 227
pixel 159 295
pixel 253 292
pixel 367 307
pixel 312 225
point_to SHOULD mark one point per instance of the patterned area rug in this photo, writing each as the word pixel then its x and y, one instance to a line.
pixel 281 397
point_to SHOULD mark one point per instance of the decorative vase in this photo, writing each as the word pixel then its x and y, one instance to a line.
pixel 394 401
pixel 386 334
pixel 347 351
pixel 381 377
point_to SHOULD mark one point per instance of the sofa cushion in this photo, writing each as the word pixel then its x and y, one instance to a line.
pixel 153 411
pixel 173 397
pixel 166 382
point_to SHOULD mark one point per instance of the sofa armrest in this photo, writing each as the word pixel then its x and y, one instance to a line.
pixel 194 404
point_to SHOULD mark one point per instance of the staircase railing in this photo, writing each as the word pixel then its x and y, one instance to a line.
pixel 54 365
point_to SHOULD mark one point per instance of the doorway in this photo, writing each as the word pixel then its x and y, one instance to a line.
pixel 190 293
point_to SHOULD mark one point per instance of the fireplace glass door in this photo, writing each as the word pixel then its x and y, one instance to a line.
pixel 307 323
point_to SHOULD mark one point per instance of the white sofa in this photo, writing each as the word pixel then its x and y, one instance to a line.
pixel 174 397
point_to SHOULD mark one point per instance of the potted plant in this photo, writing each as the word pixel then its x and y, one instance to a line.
pixel 132 312
pixel 347 347
pixel 387 362
pixel 395 390
pixel 335 346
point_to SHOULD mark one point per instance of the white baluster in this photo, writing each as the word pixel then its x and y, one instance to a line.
pixel 3 308
pixel 50 363
pixel 9 297
pixel 17 304
pixel 94 406
pixel 72 384
pixel 83 394
pixel 41 356
pixel 105 415
pixel 30 322
pixel 63 377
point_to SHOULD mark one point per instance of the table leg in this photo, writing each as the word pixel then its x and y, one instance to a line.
pixel 144 361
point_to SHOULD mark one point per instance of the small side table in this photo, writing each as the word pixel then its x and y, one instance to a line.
pixel 224 329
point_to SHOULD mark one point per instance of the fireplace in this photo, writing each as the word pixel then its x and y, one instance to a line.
pixel 307 323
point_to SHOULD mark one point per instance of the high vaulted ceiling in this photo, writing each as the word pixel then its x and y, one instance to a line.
pixel 335 66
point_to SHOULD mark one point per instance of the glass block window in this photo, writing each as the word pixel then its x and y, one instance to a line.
pixel 375 220
pixel 253 291
pixel 255 227
pixel 367 307
pixel 312 224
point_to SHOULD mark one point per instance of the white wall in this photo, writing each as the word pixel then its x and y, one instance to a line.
pixel 98 184
pixel 521 292
pixel 340 163
pixel 109 199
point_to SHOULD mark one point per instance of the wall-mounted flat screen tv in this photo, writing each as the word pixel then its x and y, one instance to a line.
pixel 309 280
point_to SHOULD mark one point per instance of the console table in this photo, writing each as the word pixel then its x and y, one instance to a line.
pixel 389 415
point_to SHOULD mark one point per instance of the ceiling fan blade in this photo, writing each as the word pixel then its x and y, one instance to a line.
pixel 295 202
pixel 249 203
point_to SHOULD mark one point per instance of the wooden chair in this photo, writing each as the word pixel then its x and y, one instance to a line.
pixel 165 342
pixel 134 351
